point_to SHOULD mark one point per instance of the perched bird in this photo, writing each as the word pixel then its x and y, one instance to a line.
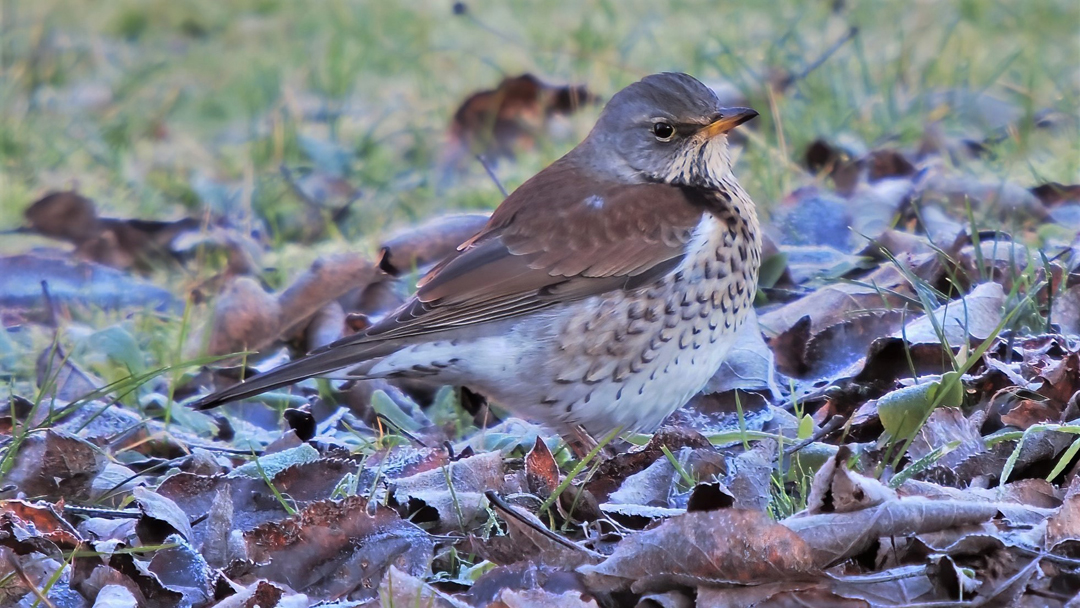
pixel 603 293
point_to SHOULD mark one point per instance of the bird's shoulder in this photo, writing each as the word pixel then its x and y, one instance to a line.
pixel 563 235
pixel 570 207
pixel 570 222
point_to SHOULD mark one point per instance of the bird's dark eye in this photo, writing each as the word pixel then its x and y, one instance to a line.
pixel 663 131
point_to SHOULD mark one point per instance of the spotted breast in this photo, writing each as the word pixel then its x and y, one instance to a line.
pixel 635 357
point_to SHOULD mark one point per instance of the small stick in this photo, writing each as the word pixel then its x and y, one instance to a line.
pixel 491 174
pixel 790 80
pixel 54 315
pixel 834 423
pixel 506 510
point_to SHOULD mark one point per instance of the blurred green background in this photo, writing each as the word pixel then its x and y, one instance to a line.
pixel 157 108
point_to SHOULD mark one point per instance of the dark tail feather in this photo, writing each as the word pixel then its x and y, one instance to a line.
pixel 323 362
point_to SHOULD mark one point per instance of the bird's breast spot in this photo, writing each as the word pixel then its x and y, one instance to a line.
pixel 594 202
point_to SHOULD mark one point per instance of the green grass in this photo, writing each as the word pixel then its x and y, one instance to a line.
pixel 226 82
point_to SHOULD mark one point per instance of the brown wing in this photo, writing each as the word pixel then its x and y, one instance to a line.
pixel 561 236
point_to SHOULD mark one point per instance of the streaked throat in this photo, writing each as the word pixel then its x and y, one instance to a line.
pixel 701 163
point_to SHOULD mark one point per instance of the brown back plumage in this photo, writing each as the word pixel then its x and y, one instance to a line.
pixel 561 236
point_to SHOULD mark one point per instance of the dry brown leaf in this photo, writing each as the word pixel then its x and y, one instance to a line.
pixel 161 517
pixel 835 537
pixel 834 303
pixel 120 243
pixel 1053 193
pixel 1063 528
pixel 902 586
pixel 836 489
pixel 944 426
pixel 525 576
pixel 728 546
pixel 420 247
pixel 973 317
pixel 26 527
pixel 252 502
pixel 328 278
pixel 55 465
pixel 541 598
pixel 1005 198
pixel 115 596
pixel 65 215
pixel 541 471
pixel 181 568
pixel 246 317
pixel 400 588
pixel 749 364
pixel 785 594
pixel 529 540
pixel 751 478
pixel 338 549
pixel 94 573
pixel 326 326
pixel 496 123
pixel 649 488
pixel 612 472
pixel 455 492
pixel 262 594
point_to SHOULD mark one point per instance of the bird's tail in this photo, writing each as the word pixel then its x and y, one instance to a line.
pixel 319 362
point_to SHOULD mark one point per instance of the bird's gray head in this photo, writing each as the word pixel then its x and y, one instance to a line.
pixel 667 127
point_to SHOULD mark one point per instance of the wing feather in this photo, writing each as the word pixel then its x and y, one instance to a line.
pixel 562 236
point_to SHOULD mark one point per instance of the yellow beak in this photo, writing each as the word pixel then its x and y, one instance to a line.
pixel 728 120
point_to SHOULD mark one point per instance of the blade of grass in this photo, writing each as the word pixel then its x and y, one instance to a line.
pixel 578 468
pixel 270 484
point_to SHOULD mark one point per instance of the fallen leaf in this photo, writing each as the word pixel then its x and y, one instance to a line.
pixel 835 537
pixel 328 279
pixel 120 243
pixel 455 491
pixel 1063 527
pixel 161 518
pixel 541 470
pixel 836 489
pixel 115 596
pixel 55 465
pixel 724 547
pixel 498 122
pixel 181 568
pixel 337 549
pixel 252 501
pixel 495 584
pixel 612 472
pixel 261 594
pixel 975 316
pixel 808 594
pixel 417 249
pixel 246 318
pixel 26 527
pixel 402 589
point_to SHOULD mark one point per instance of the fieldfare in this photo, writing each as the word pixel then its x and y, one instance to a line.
pixel 603 293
